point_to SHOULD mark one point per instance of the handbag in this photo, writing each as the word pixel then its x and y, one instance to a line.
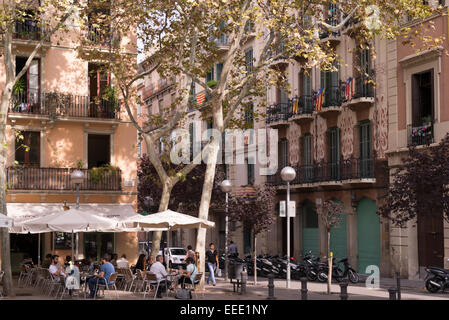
pixel 183 294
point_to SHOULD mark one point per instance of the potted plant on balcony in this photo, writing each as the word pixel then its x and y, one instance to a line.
pixel 18 91
pixel 99 174
pixel 110 106
pixel 211 83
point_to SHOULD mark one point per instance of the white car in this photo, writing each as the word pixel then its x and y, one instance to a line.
pixel 174 257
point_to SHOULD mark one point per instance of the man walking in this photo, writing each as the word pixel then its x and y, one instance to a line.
pixel 212 263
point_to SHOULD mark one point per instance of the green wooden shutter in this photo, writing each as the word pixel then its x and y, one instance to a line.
pixel 365 149
pixel 339 241
pixel 310 235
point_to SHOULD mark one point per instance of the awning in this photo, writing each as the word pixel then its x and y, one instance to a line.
pixel 26 211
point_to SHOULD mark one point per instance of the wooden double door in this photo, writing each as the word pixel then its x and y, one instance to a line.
pixel 431 240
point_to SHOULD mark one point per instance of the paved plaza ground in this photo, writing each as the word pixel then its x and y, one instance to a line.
pixel 411 290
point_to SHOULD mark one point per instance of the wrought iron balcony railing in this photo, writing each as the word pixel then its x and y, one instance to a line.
pixel 278 112
pixel 30 29
pixel 27 178
pixel 305 105
pixel 332 96
pixel 344 170
pixel 58 104
pixel 420 135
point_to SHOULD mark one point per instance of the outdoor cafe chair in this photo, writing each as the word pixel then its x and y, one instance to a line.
pixel 193 286
pixel 139 281
pixel 152 284
pixel 25 273
pixel 108 285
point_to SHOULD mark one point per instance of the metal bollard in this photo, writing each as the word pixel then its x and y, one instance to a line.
pixel 398 281
pixel 244 277
pixel 344 290
pixel 392 292
pixel 271 287
pixel 303 288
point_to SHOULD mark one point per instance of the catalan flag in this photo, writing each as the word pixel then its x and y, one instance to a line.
pixel 295 106
pixel 200 97
pixel 349 92
pixel 320 99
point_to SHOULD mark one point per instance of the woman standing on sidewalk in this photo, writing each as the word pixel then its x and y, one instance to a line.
pixel 212 263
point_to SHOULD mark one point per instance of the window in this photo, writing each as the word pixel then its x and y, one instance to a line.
pixel 98 150
pixel 139 145
pixel 365 149
pixel 63 240
pixel 139 110
pixel 307 157
pixel 30 158
pixel 305 92
pixel 330 81
pixel 422 98
pixel 249 60
pixel 334 153
pixel 210 75
pixel 219 70
pixel 26 92
pixel 99 28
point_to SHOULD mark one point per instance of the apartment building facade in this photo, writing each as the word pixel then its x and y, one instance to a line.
pixel 64 115
pixel 418 116
pixel 333 130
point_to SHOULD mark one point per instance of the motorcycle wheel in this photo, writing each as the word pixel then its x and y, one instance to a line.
pixel 353 276
pixel 432 288
pixel 310 276
pixel 322 277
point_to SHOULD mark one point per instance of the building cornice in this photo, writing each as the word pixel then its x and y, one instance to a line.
pixel 421 57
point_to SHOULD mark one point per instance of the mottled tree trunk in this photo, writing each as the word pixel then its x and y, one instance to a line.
pixel 329 260
pixel 157 235
pixel 255 262
pixel 5 99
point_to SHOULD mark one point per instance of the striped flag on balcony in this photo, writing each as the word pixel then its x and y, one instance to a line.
pixel 349 93
pixel 320 99
pixel 295 106
pixel 200 97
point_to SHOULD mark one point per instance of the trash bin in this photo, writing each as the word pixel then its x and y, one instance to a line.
pixel 235 269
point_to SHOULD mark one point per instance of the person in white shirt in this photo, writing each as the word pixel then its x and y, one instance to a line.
pixel 55 268
pixel 123 263
pixel 158 269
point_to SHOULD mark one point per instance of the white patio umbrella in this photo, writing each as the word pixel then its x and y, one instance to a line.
pixel 166 219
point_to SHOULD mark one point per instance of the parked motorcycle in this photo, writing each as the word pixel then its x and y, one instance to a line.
pixel 437 279
pixel 337 273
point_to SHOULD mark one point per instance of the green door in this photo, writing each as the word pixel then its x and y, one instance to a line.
pixel 339 242
pixel 368 234
pixel 309 228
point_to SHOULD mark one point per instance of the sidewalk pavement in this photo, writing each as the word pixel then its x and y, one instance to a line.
pixel 411 290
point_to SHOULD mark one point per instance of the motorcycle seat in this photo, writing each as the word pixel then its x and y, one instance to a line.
pixel 439 269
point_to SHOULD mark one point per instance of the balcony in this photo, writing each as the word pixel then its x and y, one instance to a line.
pixel 334 38
pixel 101 36
pixel 277 115
pixel 23 178
pixel 420 135
pixel 30 30
pixel 350 171
pixel 222 43
pixel 52 104
pixel 332 104
pixel 364 95
pixel 304 112
pixel 279 58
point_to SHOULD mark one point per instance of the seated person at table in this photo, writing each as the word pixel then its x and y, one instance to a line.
pixel 159 270
pixel 27 260
pixel 91 264
pixel 190 273
pixel 114 259
pixel 105 273
pixel 123 263
pixel 47 262
pixel 67 261
pixel 141 262
pixel 55 268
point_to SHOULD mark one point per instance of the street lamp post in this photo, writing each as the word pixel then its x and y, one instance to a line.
pixel 77 177
pixel 288 174
pixel 226 187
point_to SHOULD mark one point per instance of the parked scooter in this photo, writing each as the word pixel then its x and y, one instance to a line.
pixel 437 279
